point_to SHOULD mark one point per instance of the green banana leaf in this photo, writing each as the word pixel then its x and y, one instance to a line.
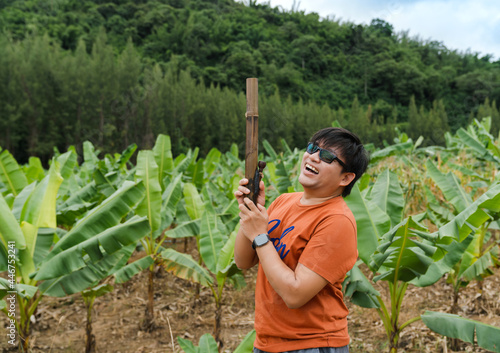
pixel 211 163
pixel 124 157
pixel 474 265
pixel 359 289
pixel 387 194
pixel 473 216
pixel 184 266
pixel 106 215
pixel 211 239
pixel 450 186
pixel 226 266
pixel 273 156
pixel 477 147
pixel 87 277
pixel 170 198
pixel 11 174
pixel 67 162
pixel 246 346
pixel 163 155
pixel 127 272
pixel 184 230
pixel 94 249
pixel 24 291
pixel 448 256
pixel 10 231
pixel 194 204
pixel 40 207
pixel 397 149
pixel 206 344
pixel 371 223
pixel 34 170
pixel 400 257
pixel 454 326
pixel 196 173
pixel 147 171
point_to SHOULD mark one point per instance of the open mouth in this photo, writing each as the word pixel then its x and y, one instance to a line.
pixel 311 169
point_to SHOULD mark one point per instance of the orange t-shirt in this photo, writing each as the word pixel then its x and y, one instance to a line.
pixel 323 238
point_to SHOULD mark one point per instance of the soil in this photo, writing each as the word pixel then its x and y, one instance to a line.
pixel 181 312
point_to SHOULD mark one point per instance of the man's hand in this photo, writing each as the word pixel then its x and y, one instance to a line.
pixel 242 191
pixel 253 219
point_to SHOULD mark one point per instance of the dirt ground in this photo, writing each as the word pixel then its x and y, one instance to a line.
pixel 60 322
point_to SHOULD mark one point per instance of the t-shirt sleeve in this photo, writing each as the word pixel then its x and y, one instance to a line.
pixel 332 250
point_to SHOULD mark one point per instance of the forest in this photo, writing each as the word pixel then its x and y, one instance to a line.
pixel 117 72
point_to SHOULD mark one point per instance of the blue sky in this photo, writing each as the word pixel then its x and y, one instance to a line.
pixel 463 25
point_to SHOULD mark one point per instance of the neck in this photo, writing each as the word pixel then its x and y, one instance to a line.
pixel 307 199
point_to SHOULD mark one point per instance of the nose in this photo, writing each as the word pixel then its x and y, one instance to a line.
pixel 314 156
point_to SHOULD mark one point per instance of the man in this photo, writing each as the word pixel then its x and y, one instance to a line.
pixel 298 298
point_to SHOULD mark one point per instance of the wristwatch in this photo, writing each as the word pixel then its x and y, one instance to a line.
pixel 260 240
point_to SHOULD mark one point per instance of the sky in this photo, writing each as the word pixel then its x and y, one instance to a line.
pixel 462 25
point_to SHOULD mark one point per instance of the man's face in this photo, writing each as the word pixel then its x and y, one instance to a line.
pixel 322 179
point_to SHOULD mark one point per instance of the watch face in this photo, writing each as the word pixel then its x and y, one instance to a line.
pixel 261 239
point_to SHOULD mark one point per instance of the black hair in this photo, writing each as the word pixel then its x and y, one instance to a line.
pixel 350 149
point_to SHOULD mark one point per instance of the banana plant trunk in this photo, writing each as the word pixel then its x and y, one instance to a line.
pixel 90 342
pixel 217 324
pixel 149 320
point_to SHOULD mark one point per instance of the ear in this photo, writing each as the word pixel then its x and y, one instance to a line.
pixel 347 178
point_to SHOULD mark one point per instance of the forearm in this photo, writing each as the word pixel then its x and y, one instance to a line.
pixel 244 255
pixel 283 280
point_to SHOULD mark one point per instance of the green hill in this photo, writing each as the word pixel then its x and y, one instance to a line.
pixel 73 70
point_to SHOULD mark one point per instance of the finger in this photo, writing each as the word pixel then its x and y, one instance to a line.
pixel 244 181
pixel 244 190
pixel 250 204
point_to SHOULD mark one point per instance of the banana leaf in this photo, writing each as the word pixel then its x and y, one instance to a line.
pixel 34 170
pixel 10 231
pixel 106 215
pixel 147 171
pixel 359 289
pixel 211 163
pixel 448 256
pixel 400 257
pixel 163 155
pixel 246 346
pixel 454 326
pixel 388 196
pixel 11 174
pixel 450 186
pixel 40 207
pixel 473 216
pixel 211 239
pixel 184 266
pixel 371 223
pixel 88 276
pixel 127 272
pixel 94 249
pixel 194 204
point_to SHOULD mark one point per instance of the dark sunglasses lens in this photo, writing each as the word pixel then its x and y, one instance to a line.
pixel 311 147
pixel 326 156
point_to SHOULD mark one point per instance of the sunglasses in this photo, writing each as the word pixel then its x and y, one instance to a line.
pixel 325 155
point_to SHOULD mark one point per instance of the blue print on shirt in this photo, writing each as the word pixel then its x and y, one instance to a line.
pixel 278 244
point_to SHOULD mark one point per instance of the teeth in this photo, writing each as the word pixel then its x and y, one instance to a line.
pixel 311 168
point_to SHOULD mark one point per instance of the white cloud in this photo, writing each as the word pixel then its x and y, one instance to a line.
pixel 459 24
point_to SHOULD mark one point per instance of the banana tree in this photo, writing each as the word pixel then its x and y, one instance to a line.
pixel 162 193
pixel 481 254
pixel 408 253
pixel 30 223
pixel 216 251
